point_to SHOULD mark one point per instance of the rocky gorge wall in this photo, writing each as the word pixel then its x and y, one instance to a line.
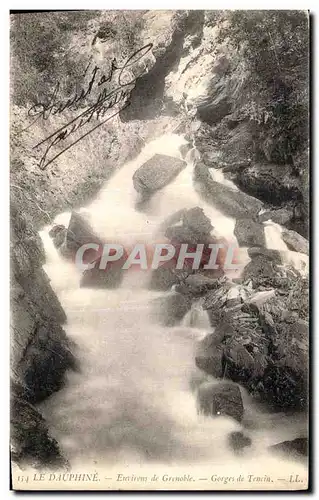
pixel 196 82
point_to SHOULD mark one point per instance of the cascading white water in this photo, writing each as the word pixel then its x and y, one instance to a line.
pixel 132 400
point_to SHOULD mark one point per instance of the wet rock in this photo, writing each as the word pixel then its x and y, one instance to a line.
pixel 40 297
pixel 221 399
pixel 216 104
pixel 226 295
pixel 296 448
pixel 249 233
pixel 193 227
pixel 280 216
pixel 268 253
pixel 238 441
pixel 232 203
pixel 289 374
pixel 111 277
pixel 171 309
pixel 46 359
pixel 209 356
pixel 195 219
pixel 31 442
pixel 79 232
pixel 258 300
pixel 156 173
pixel 198 284
pixel 58 235
pixel 274 365
pixel 295 241
pixel 271 183
pixel 298 298
pixel 40 352
pixel 212 110
pixel 261 271
pixel 262 342
pixel 163 278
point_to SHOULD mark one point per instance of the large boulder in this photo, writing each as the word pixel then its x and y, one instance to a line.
pixel 209 356
pixel 110 277
pixel 280 216
pixel 193 227
pixel 262 270
pixel 217 103
pixel 295 241
pixel 212 109
pixel 79 232
pixel 238 441
pixel 268 253
pixel 47 358
pixel 58 234
pixel 249 233
pixel 232 203
pixel 221 399
pixel 171 309
pixel 156 173
pixel 164 277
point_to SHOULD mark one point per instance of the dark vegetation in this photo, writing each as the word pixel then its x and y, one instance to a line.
pixel 275 48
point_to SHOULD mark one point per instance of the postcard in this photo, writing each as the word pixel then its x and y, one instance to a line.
pixel 159 202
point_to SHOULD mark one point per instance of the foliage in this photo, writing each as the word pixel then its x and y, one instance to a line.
pixel 275 48
pixel 51 47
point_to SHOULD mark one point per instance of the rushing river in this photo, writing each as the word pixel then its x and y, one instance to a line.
pixel 132 400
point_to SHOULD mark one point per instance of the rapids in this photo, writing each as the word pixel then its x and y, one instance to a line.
pixel 133 400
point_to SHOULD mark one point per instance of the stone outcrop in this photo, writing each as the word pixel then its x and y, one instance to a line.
pixel 78 233
pixel 271 183
pixel 31 443
pixel 238 441
pixel 156 173
pixel 261 338
pixel 221 399
pixel 295 241
pixel 232 203
pixel 249 233
pixel 163 278
pixel 110 277
pixel 171 309
pixel 40 351
pixel 261 331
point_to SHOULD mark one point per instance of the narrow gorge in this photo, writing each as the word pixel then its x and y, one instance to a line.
pixel 163 366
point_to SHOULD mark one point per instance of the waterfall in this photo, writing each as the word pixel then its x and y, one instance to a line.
pixel 197 317
pixel 131 401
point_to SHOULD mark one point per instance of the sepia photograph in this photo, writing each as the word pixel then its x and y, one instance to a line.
pixel 159 250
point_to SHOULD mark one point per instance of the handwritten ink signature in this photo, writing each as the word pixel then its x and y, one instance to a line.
pixel 103 103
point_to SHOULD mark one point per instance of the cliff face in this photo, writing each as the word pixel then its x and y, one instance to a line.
pixel 40 350
pixel 238 99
